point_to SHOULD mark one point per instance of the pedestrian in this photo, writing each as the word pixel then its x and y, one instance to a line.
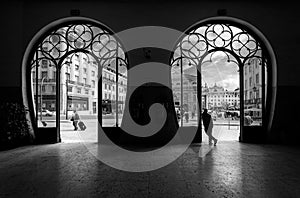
pixel 186 114
pixel 208 127
pixel 178 114
pixel 75 118
pixel 248 120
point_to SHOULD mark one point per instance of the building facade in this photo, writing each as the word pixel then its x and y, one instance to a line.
pixel 79 86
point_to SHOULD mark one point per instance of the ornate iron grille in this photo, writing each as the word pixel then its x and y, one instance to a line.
pixel 204 43
pixel 84 38
pixel 200 45
pixel 58 47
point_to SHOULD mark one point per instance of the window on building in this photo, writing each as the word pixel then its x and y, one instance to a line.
pixel 44 63
pixel 86 91
pixel 93 83
pixel 84 70
pixel 93 73
pixel 67 76
pixel 53 88
pixel 257 79
pixel 54 75
pixel 33 75
pixel 43 88
pixel 77 78
pixel 76 67
pixel 84 81
pixel 44 74
pixel 70 88
pixel 250 81
pixel 93 93
pixel 78 90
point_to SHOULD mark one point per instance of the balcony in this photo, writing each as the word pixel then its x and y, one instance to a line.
pixel 78 83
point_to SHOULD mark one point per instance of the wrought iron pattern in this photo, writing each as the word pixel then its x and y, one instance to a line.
pixel 84 38
pixel 204 41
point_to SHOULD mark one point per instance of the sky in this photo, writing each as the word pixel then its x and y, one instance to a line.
pixel 221 72
pixel 218 71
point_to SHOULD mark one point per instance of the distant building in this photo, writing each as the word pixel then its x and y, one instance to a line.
pixel 215 97
pixel 220 98
pixel 252 84
pixel 252 87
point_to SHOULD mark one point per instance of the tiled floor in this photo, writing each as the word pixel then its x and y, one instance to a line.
pixel 231 169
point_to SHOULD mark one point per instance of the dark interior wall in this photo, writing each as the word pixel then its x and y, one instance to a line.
pixel 20 20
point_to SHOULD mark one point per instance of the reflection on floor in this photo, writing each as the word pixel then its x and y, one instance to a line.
pixel 230 169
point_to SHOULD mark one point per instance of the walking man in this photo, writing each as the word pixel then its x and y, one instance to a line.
pixel 208 126
pixel 75 118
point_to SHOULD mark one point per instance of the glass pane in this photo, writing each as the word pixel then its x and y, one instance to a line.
pixel 122 90
pixel 44 89
pixel 176 89
pixel 253 92
pixel 78 93
pixel 189 103
pixel 109 95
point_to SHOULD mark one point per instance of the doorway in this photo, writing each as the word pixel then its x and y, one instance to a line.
pixel 243 62
pixel 75 63
pixel 220 90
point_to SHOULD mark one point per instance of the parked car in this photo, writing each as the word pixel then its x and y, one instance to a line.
pixel 46 112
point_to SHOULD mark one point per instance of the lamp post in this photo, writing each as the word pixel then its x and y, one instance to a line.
pixel 41 99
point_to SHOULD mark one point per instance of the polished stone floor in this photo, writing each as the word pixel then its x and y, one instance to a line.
pixel 230 169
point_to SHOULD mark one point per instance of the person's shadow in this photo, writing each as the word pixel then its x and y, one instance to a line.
pixel 205 149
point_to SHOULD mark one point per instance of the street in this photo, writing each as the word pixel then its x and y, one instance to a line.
pixel 223 130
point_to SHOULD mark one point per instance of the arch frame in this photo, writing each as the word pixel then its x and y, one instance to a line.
pixel 40 35
pixel 271 83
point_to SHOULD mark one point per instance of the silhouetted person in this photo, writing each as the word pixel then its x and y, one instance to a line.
pixel 75 118
pixel 208 126
pixel 248 120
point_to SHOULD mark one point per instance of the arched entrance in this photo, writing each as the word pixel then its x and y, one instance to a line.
pixel 235 42
pixel 71 64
